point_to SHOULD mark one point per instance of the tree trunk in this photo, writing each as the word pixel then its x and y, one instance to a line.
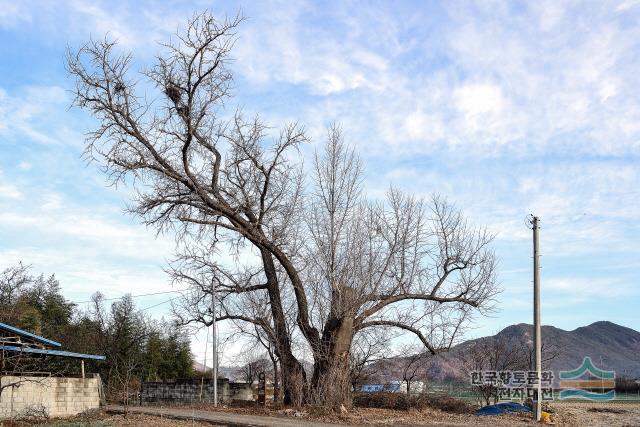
pixel 331 382
pixel 294 379
pixel 276 381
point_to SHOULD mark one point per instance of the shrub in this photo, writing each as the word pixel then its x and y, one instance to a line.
pixel 401 401
pixel 449 404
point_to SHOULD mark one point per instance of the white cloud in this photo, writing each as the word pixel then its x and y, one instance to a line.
pixel 52 201
pixel 36 112
pixel 9 191
pixel 13 14
pixel 478 99
pixel 25 166
pixel 82 275
pixel 627 4
pixel 588 287
pixel 322 59
pixel 107 236
pixel 506 110
pixel 422 126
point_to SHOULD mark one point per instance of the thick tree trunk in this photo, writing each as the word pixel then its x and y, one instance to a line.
pixel 294 379
pixel 276 381
pixel 331 382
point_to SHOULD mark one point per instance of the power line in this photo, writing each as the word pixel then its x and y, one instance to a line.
pixel 132 296
pixel 160 303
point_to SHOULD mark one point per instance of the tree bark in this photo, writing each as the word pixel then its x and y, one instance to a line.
pixel 331 382
pixel 294 378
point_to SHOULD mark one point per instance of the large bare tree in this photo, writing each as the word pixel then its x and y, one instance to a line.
pixel 326 262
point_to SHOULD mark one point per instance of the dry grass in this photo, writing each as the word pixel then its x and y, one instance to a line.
pixel 101 419
pixel 577 414
pixel 570 414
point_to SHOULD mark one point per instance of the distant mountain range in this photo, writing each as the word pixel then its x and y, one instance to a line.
pixel 610 346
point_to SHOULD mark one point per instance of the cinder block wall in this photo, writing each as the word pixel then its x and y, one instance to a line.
pixel 184 392
pixel 61 397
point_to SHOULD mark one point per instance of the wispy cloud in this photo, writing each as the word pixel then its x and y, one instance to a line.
pixel 507 109
pixel 9 191
pixel 36 113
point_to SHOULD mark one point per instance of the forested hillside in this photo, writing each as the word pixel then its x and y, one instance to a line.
pixel 137 347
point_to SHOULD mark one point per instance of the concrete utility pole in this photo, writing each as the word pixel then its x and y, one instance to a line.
pixel 215 345
pixel 537 331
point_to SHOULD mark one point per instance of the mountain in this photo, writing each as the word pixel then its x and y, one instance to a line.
pixel 223 371
pixel 610 347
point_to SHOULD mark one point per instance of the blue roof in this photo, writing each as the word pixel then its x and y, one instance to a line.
pixel 51 352
pixel 25 334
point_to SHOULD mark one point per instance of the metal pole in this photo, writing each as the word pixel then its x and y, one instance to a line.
pixel 204 373
pixel 537 332
pixel 215 345
pixel 82 367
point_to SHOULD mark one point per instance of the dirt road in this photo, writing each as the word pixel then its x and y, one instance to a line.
pixel 229 419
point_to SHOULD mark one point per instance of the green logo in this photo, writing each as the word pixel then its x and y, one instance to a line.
pixel 592 387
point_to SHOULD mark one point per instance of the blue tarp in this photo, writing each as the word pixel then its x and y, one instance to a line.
pixel 502 408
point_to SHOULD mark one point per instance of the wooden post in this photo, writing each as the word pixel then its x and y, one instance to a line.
pixel 82 367
pixel 262 389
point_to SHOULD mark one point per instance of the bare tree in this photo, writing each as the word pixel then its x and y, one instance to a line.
pixel 550 352
pixel 413 365
pixel 13 281
pixel 328 263
pixel 368 347
pixel 252 363
pixel 406 264
pixel 495 354
pixel 125 380
pixel 17 367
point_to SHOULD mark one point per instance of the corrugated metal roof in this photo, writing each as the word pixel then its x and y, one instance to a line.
pixel 51 352
pixel 25 334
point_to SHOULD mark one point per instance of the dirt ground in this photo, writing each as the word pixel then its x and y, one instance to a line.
pixel 597 414
pixel 572 414
pixel 111 420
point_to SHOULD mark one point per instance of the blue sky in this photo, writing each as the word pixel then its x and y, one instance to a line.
pixel 507 108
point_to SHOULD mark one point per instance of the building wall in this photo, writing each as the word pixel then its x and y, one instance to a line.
pixel 184 392
pixel 60 397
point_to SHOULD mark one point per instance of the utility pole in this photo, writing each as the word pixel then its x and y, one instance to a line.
pixel 215 344
pixel 537 331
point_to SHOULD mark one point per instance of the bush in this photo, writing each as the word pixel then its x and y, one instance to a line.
pixel 401 401
pixel 449 404
pixel 385 400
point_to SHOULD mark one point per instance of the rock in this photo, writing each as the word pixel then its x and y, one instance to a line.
pixel 289 412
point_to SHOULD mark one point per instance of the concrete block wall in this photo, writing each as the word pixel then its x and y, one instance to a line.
pixel 184 392
pixel 60 397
